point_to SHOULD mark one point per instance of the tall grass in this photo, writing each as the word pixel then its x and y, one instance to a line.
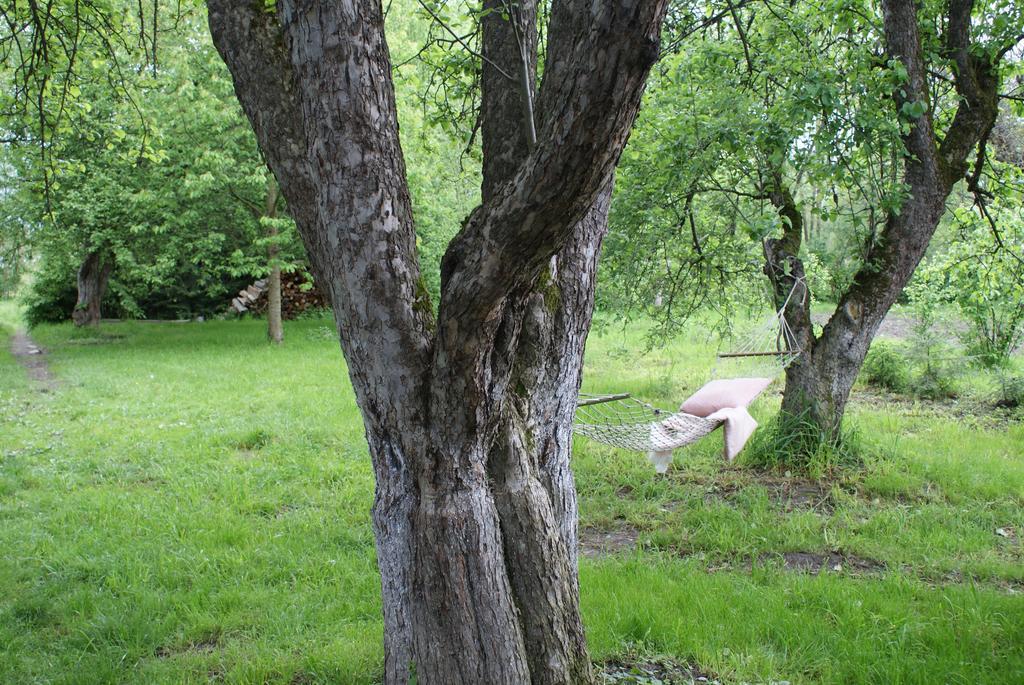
pixel 795 441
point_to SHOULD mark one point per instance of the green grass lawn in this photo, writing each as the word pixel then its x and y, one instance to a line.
pixel 192 505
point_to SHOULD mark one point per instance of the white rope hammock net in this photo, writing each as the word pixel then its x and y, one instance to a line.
pixel 623 421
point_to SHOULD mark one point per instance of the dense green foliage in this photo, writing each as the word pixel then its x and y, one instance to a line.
pixel 798 103
pixel 163 179
pixel 161 174
pixel 169 513
pixel 156 166
pixel 768 99
pixel 983 279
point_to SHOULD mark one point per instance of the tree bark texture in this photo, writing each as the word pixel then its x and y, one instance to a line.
pixel 818 383
pixel 275 327
pixel 467 415
pixel 93 276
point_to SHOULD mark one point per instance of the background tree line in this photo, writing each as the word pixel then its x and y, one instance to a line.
pixel 148 190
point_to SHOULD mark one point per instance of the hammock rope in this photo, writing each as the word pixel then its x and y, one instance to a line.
pixel 623 421
pixel 766 351
pixel 626 422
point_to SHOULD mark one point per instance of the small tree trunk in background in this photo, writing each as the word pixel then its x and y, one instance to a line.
pixel 92 284
pixel 275 329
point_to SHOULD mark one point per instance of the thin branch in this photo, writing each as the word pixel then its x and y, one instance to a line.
pixel 525 78
pixel 463 43
pixel 743 38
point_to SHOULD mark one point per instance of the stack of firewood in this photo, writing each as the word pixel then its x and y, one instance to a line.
pixel 297 296
pixel 247 298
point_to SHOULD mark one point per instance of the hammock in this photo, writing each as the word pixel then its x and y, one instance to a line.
pixel 622 421
pixel 626 422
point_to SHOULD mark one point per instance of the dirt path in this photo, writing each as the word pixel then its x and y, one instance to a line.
pixel 33 358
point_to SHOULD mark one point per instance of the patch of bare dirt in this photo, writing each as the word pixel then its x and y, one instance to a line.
pixel 901 326
pixel 797 494
pixel 835 562
pixel 652 671
pixel 794 496
pixel 787 493
pixel 795 562
pixel 1009 586
pixel 33 358
pixel 595 542
pixel 966 410
pixel 832 562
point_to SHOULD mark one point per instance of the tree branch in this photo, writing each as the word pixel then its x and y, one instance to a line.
pixel 465 46
pixel 975 81
pixel 506 116
pixel 505 242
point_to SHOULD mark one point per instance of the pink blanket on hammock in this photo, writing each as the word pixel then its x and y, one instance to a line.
pixel 723 393
pixel 723 400
pixel 738 426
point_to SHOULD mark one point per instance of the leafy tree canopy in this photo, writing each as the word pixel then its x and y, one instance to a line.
pixel 767 98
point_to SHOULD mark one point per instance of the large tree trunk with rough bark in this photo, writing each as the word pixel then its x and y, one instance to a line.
pixel 93 276
pixel 467 414
pixel 275 327
pixel 818 383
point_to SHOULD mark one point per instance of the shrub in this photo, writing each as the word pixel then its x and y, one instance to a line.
pixel 986 282
pixel 887 366
pixel 936 381
pixel 53 292
pixel 50 298
pixel 924 371
pixel 1009 391
pixel 991 343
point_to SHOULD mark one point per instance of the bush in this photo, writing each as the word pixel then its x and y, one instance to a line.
pixel 887 367
pixel 922 371
pixel 935 382
pixel 986 283
pixel 53 293
pixel 1010 391
pixel 991 345
pixel 49 299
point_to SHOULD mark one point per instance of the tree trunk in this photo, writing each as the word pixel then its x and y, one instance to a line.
pixel 818 383
pixel 92 284
pixel 467 417
pixel 275 329
pixel 547 376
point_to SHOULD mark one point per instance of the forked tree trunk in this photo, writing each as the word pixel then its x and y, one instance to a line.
pixel 275 328
pixel 467 416
pixel 818 383
pixel 93 276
